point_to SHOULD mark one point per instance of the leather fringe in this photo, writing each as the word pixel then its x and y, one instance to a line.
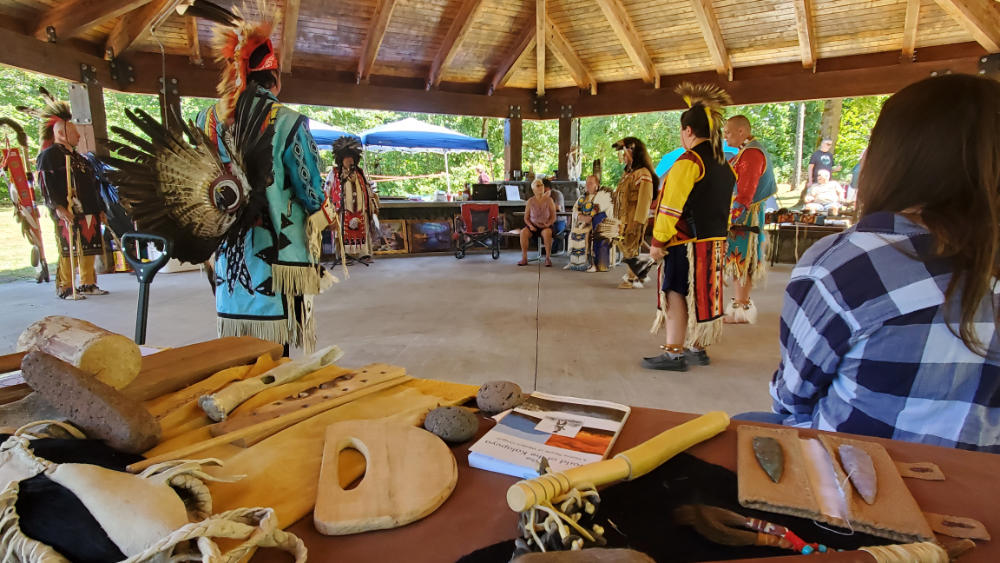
pixel 273 331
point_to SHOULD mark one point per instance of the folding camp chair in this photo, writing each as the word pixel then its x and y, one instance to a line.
pixel 478 225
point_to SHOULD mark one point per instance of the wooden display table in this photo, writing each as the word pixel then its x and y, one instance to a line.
pixel 477 516
pixel 788 241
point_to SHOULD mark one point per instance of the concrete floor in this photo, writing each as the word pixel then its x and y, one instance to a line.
pixel 468 321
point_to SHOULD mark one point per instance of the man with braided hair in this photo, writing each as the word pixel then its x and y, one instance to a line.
pixel 689 234
pixel 632 200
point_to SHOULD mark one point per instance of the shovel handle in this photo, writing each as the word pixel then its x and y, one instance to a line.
pixel 144 271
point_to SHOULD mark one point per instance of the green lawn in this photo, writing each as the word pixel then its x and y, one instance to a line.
pixel 15 252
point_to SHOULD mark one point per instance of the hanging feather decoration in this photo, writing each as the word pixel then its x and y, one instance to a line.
pixel 208 11
pixel 184 191
pixel 22 137
pixel 710 98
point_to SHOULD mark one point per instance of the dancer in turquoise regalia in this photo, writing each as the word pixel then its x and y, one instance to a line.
pixel 265 278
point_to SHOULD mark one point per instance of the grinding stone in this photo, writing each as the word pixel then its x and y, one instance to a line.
pixel 498 396
pixel 452 424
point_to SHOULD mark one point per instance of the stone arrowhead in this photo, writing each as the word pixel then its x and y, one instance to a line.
pixel 859 467
pixel 770 456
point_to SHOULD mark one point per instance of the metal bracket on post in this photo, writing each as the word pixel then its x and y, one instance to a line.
pixel 79 102
pixel 170 103
pixel 88 74
pixel 50 34
pixel 172 90
pixel 513 112
pixel 541 105
pixel 122 72
pixel 566 111
pixel 989 65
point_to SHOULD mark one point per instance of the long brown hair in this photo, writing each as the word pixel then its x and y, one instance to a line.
pixel 935 153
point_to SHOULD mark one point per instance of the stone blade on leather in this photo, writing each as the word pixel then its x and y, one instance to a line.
pixel 770 456
pixel 859 467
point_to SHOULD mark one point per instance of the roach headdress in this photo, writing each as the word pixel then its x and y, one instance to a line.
pixel 51 113
pixel 708 98
pixel 346 146
pixel 244 48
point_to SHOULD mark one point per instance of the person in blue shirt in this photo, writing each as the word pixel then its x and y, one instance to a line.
pixel 889 329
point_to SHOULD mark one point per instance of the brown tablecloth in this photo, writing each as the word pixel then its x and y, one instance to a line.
pixel 476 514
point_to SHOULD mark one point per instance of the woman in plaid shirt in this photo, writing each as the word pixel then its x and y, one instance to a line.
pixel 890 328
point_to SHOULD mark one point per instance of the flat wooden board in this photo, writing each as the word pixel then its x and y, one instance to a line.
pixel 176 368
pixel 346 382
pixel 409 473
pixel 283 470
pixel 894 514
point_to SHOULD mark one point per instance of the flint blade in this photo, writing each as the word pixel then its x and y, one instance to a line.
pixel 858 465
pixel 770 456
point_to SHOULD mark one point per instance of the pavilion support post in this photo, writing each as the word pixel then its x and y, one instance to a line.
pixel 569 137
pixel 87 104
pixel 513 139
pixel 170 104
pixel 799 136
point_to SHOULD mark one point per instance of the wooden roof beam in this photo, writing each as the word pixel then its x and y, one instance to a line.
pixel 509 64
pixel 373 40
pixel 540 19
pixel 289 34
pixel 713 36
pixel 568 57
pixel 193 41
pixel 449 47
pixel 910 28
pixel 807 34
pixel 980 17
pixel 622 25
pixel 70 18
pixel 134 25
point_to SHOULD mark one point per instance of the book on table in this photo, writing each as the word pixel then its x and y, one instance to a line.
pixel 566 431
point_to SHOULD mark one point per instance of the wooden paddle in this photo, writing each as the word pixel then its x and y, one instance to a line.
pixel 409 473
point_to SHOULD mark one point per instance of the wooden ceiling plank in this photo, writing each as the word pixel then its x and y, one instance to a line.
pixel 374 37
pixel 134 25
pixel 569 59
pixel 712 33
pixel 981 18
pixel 289 34
pixel 460 27
pixel 621 23
pixel 509 64
pixel 807 33
pixel 910 28
pixel 193 41
pixel 540 19
pixel 71 18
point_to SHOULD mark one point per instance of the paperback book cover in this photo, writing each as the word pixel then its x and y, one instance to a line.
pixel 565 431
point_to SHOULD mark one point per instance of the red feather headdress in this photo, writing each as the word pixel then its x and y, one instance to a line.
pixel 235 45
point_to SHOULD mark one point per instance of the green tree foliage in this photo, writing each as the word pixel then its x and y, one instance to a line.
pixel 856 124
pixel 774 124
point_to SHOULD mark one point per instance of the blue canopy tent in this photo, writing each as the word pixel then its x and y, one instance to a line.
pixel 416 136
pixel 325 135
pixel 668 159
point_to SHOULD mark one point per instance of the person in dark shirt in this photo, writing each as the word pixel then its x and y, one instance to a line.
pixel 73 201
pixel 822 159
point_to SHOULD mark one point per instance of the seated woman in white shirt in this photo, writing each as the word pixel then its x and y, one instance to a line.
pixel 825 196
